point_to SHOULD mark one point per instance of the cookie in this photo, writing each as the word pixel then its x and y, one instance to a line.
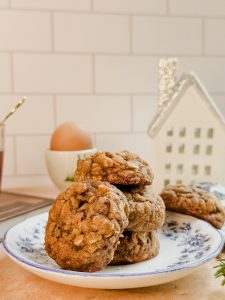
pixel 117 168
pixel 135 247
pixel 195 202
pixel 147 210
pixel 84 226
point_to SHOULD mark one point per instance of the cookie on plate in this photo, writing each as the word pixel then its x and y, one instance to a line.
pixel 195 202
pixel 84 226
pixel 135 247
pixel 147 210
pixel 117 168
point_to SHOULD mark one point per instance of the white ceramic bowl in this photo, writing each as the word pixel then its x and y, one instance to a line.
pixel 61 165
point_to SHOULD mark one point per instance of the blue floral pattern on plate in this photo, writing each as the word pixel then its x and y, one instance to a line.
pixel 185 243
pixel 192 243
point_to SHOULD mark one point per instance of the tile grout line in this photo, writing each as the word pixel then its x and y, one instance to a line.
pixel 52 31
pixel 131 33
pixel 124 13
pixel 117 94
pixel 11 72
pixel 203 37
pixel 93 74
pixel 28 135
pixel 167 8
pixel 31 135
pixel 92 5
pixel 113 54
pixel 55 110
pixel 132 113
pixel 153 15
pixel 15 155
pixel 84 94
pixel 120 132
pixel 94 139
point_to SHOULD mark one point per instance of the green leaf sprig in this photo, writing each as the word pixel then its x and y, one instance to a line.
pixel 69 179
pixel 221 270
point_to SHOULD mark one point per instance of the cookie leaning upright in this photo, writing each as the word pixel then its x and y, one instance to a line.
pixel 147 214
pixel 135 247
pixel 194 201
pixel 123 168
pixel 84 226
pixel 147 210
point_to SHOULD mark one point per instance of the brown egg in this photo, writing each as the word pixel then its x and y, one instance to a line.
pixel 69 137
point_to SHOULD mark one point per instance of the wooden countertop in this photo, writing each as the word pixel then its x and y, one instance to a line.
pixel 17 283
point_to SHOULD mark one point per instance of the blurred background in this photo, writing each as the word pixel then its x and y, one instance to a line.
pixel 94 62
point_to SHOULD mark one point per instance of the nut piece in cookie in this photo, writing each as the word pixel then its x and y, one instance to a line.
pixel 147 210
pixel 195 202
pixel 135 247
pixel 117 168
pixel 84 226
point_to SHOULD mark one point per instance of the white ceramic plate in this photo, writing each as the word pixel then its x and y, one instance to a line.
pixel 223 228
pixel 185 244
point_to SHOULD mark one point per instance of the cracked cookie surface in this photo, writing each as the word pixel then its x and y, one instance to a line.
pixel 135 247
pixel 195 202
pixel 117 168
pixel 147 210
pixel 84 226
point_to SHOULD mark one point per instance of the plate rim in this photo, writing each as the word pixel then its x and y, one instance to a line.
pixel 46 269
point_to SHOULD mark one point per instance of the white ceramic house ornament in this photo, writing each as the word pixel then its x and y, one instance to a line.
pixel 188 131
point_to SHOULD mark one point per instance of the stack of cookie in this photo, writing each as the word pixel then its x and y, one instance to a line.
pixel 108 216
pixel 133 176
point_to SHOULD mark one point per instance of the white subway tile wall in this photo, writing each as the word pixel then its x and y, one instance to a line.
pixel 198 8
pixel 9 156
pixel 89 33
pixel 94 62
pixel 5 73
pixel 210 70
pixel 143 109
pixel 214 37
pixel 220 102
pixel 131 6
pixel 155 35
pixel 4 3
pixel 35 117
pixel 136 142
pixel 68 5
pixel 25 31
pixel 52 73
pixel 96 113
pixel 30 153
pixel 125 74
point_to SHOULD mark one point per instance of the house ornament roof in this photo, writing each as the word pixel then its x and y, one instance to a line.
pixel 180 88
